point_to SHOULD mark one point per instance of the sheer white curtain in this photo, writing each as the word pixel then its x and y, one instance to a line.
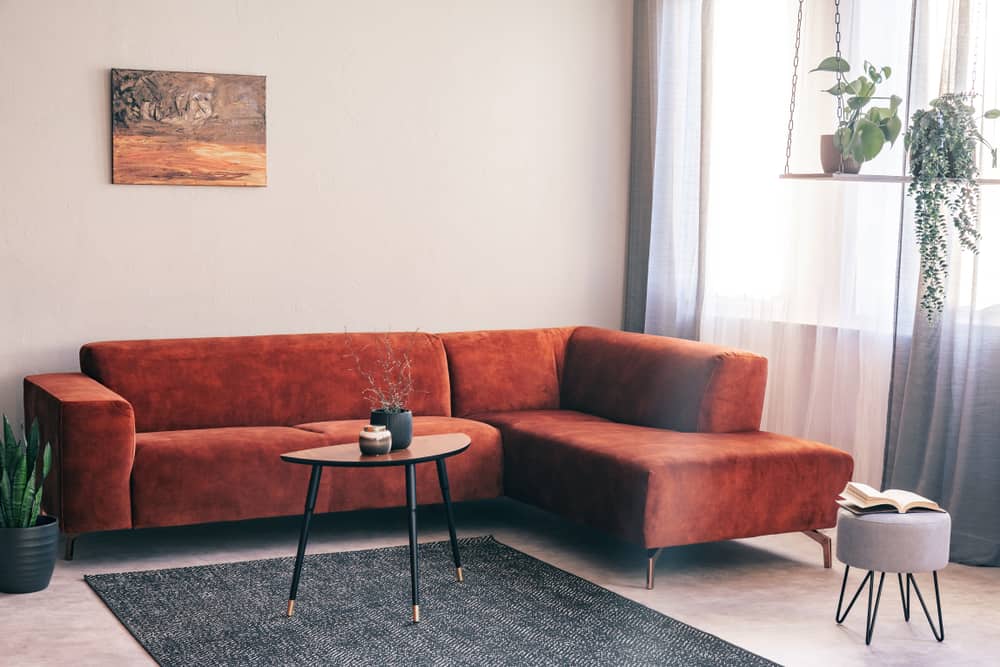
pixel 803 272
pixel 945 428
pixel 674 248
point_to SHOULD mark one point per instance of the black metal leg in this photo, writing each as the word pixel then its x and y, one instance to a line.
pixel 840 618
pixel 939 630
pixel 870 624
pixel 905 597
pixel 446 495
pixel 411 504
pixel 304 535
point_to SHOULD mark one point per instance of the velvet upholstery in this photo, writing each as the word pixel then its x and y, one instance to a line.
pixel 505 370
pixel 227 474
pixel 259 380
pixel 663 488
pixel 651 439
pixel 663 382
pixel 92 433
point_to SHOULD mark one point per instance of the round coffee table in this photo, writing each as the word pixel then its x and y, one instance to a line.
pixel 424 448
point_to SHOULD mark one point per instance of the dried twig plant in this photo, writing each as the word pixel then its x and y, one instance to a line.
pixel 389 379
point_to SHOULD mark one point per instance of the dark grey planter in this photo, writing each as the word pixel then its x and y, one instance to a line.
pixel 400 424
pixel 28 556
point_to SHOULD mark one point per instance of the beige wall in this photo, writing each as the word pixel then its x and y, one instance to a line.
pixel 432 164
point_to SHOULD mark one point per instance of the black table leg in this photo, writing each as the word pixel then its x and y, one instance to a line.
pixel 446 495
pixel 411 504
pixel 304 535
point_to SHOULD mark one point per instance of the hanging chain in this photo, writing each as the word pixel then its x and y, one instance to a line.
pixel 840 75
pixel 975 48
pixel 795 83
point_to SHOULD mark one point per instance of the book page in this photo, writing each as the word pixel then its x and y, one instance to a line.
pixel 862 491
pixel 908 500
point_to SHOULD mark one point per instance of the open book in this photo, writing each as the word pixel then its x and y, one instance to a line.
pixel 863 499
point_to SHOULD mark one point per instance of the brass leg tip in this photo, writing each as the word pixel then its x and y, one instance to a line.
pixel 416 613
pixel 461 577
pixel 291 607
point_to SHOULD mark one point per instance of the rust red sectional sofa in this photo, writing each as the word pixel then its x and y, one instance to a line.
pixel 654 440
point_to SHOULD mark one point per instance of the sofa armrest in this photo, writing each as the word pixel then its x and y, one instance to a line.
pixel 670 383
pixel 92 432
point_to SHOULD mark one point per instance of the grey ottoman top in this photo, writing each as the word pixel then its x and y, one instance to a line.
pixel 891 542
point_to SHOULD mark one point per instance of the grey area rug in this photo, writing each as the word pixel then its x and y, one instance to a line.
pixel 353 608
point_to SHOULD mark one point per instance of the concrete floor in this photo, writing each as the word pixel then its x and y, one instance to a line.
pixel 769 595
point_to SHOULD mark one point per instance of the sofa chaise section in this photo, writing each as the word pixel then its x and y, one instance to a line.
pixel 651 439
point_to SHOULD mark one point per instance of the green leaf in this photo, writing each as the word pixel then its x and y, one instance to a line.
pixel 894 102
pixel 32 444
pixel 5 499
pixel 875 114
pixel 17 484
pixel 26 502
pixel 887 71
pixel 857 102
pixel 992 114
pixel 891 129
pixel 841 88
pixel 868 140
pixel 36 508
pixel 833 64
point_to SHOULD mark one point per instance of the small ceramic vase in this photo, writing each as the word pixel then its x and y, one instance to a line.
pixel 374 440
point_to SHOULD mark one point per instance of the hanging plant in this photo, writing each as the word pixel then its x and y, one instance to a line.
pixel 942 142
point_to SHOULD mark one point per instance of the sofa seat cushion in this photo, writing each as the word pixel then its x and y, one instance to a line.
pixel 662 488
pixel 475 474
pixel 228 474
pixel 217 474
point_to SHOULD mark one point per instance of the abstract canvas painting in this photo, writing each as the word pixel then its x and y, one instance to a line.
pixel 188 128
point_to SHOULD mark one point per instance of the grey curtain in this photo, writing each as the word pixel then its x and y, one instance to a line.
pixel 666 195
pixel 943 438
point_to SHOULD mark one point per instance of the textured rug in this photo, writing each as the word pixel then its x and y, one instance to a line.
pixel 353 608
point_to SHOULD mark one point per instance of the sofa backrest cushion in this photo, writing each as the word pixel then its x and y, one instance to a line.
pixel 662 382
pixel 260 380
pixel 498 371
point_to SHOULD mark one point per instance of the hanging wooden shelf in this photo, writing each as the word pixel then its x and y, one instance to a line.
pixel 867 178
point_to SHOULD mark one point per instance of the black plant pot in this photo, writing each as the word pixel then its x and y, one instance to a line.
pixel 28 556
pixel 400 424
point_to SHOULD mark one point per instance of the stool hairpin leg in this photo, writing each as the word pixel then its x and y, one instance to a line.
pixel 872 612
pixel 905 597
pixel 840 618
pixel 939 630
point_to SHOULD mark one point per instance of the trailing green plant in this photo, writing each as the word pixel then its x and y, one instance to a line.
pixel 861 134
pixel 942 142
pixel 20 478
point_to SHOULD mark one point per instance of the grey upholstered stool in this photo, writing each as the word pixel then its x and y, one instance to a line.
pixel 901 543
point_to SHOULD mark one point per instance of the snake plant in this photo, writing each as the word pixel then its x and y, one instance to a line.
pixel 20 478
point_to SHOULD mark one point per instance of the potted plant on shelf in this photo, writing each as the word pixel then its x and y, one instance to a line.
pixel 942 142
pixel 860 134
pixel 388 390
pixel 28 539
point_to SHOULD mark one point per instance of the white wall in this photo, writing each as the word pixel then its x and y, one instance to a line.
pixel 432 164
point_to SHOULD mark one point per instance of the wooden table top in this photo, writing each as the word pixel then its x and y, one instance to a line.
pixel 422 448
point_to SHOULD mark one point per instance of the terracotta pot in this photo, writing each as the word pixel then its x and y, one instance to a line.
pixel 830 158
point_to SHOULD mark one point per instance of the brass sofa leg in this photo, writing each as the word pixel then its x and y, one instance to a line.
pixel 651 556
pixel 825 542
pixel 69 546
